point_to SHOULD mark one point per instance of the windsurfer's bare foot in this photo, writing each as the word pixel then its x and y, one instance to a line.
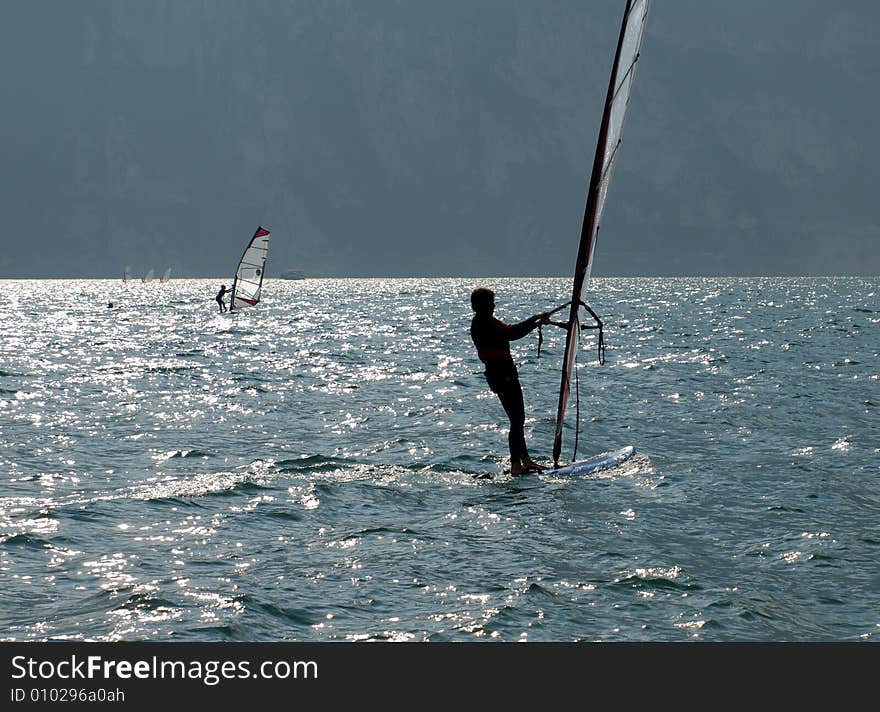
pixel 531 466
pixel 527 469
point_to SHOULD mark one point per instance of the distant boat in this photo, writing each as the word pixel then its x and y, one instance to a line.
pixel 166 276
pixel 292 274
pixel 148 277
pixel 251 269
pixel 125 273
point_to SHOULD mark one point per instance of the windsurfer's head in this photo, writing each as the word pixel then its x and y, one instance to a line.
pixel 483 300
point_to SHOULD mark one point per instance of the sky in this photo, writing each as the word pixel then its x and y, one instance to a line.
pixel 424 138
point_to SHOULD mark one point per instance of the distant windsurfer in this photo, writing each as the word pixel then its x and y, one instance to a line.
pixel 492 338
pixel 222 293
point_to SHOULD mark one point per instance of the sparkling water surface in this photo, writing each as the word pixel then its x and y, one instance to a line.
pixel 304 471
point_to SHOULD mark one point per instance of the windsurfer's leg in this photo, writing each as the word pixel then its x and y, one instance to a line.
pixel 514 406
pixel 512 400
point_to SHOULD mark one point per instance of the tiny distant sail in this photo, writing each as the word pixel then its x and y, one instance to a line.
pixel 166 276
pixel 125 273
pixel 148 277
pixel 628 45
pixel 249 276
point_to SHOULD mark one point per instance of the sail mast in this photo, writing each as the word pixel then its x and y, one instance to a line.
pixel 622 71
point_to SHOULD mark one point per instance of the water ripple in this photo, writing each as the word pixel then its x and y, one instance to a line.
pixel 310 469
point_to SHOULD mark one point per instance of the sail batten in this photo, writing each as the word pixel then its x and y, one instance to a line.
pixel 607 147
pixel 248 283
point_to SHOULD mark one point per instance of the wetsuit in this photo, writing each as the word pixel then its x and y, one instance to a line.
pixel 220 296
pixel 492 338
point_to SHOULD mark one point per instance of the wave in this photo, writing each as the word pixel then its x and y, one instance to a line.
pixel 26 540
pixel 179 454
pixel 296 616
pixel 663 578
pixel 312 463
pixel 145 601
pixel 214 483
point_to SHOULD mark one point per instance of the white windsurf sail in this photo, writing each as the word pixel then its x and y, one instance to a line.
pixel 166 276
pixel 251 268
pixel 622 71
pixel 148 277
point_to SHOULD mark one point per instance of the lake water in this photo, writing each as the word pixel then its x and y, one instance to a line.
pixel 304 471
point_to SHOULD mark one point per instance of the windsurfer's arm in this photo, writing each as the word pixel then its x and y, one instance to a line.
pixel 517 331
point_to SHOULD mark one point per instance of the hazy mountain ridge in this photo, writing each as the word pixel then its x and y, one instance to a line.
pixel 456 138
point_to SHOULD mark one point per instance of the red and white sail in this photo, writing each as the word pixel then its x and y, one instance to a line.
pixel 251 269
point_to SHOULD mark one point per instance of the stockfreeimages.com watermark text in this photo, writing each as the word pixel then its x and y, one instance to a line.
pixel 210 672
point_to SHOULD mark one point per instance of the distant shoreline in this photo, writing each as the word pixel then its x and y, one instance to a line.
pixel 154 282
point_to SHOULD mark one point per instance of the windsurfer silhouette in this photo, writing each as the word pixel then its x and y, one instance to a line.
pixel 492 338
pixel 223 291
